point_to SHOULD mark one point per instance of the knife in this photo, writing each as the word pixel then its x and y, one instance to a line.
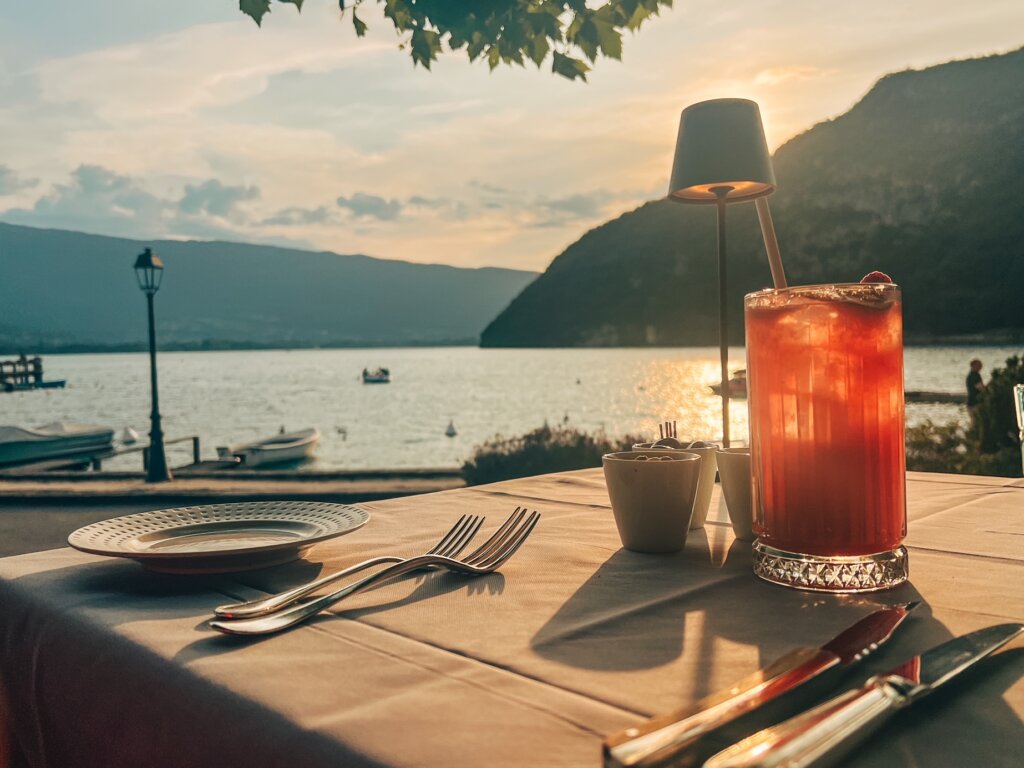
pixel 665 736
pixel 824 734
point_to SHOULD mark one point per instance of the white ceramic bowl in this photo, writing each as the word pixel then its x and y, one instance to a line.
pixel 652 500
pixel 708 467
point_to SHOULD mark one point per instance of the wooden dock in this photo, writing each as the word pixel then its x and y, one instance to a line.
pixel 23 373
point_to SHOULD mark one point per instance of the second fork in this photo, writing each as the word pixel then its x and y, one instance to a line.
pixel 487 558
pixel 450 545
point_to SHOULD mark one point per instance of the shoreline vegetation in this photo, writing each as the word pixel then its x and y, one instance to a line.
pixel 989 446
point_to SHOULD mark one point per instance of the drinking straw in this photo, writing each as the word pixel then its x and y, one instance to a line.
pixel 771 244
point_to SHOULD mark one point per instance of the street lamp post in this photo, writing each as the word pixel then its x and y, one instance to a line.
pixel 149 270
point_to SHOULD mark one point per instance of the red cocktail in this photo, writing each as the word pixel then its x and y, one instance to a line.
pixel 825 389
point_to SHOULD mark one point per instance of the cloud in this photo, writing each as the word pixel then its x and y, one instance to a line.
pixel 216 199
pixel 291 217
pixel 96 197
pixel 11 182
pixel 371 206
pixel 418 201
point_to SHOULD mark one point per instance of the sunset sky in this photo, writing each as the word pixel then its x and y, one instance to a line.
pixel 185 120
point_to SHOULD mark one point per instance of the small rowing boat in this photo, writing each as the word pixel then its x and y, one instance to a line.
pixel 282 448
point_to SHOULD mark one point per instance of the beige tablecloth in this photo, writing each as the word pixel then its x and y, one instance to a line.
pixel 105 664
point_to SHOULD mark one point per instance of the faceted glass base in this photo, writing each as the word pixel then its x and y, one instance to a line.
pixel 858 573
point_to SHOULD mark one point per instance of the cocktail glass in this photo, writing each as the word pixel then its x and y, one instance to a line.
pixel 825 391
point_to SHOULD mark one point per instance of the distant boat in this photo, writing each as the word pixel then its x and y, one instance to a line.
pixel 20 445
pixel 737 385
pixel 129 436
pixel 450 432
pixel 281 448
pixel 379 376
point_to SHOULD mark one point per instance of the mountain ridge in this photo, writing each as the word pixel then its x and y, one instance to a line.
pixel 916 179
pixel 61 289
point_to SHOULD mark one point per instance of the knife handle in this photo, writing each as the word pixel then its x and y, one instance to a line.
pixel 662 738
pixel 821 735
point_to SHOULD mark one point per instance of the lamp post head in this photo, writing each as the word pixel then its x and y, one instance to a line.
pixel 721 153
pixel 149 270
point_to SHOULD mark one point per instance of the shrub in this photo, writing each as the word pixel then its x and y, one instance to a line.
pixel 546 449
pixel 952 448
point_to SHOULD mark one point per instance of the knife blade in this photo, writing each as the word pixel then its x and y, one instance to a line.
pixel 665 736
pixel 824 734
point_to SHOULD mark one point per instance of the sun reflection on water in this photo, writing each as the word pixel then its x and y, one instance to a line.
pixel 679 389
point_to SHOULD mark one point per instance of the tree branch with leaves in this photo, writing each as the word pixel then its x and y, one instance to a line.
pixel 502 32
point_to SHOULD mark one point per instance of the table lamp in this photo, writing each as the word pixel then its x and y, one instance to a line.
pixel 722 157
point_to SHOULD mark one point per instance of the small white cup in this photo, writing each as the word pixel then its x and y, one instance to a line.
pixel 652 500
pixel 737 487
pixel 708 467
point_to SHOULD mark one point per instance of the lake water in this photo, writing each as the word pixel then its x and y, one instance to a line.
pixel 232 397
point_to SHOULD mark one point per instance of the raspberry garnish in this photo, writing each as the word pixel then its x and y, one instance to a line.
pixel 876 277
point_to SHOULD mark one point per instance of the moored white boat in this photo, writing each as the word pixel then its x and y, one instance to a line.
pixel 21 445
pixel 285 447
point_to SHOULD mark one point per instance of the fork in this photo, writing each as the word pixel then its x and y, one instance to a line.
pixel 667 429
pixel 487 558
pixel 450 545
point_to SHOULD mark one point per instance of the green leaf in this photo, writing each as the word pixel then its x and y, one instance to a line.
pixel 493 57
pixel 585 37
pixel 610 40
pixel 398 12
pixel 640 15
pixel 539 50
pixel 358 24
pixel 425 44
pixel 566 66
pixel 544 20
pixel 255 9
pixel 296 3
pixel 574 27
pixel 477 43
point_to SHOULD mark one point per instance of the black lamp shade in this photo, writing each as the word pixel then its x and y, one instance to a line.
pixel 149 270
pixel 721 145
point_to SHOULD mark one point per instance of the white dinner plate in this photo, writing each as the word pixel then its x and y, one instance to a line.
pixel 219 538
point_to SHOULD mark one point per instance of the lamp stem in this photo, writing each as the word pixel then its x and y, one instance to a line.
pixel 723 316
pixel 157 471
pixel 771 244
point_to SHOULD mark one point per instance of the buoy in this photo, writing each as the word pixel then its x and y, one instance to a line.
pixel 450 432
